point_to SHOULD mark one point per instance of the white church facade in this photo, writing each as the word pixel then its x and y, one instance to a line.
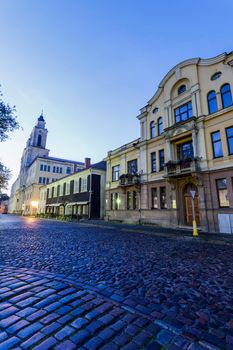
pixel 37 169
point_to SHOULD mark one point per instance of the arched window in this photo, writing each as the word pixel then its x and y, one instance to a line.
pixel 226 96
pixel 39 141
pixel 160 125
pixel 212 102
pixel 152 130
pixel 181 89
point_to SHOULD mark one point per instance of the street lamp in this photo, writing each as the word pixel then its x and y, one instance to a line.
pixel 195 232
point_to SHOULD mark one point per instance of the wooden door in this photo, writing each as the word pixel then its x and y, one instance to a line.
pixel 188 205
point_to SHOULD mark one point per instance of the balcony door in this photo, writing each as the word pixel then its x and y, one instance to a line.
pixel 185 151
pixel 188 205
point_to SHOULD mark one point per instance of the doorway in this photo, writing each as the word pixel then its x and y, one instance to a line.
pixel 188 205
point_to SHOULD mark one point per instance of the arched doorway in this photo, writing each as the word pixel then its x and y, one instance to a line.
pixel 188 204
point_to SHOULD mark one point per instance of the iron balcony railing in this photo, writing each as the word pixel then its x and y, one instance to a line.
pixel 129 179
pixel 181 167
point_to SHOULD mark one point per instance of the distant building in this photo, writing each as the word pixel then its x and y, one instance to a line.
pixel 186 144
pixel 37 168
pixel 79 195
pixel 4 202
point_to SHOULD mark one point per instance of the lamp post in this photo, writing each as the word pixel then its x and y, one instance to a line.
pixel 195 232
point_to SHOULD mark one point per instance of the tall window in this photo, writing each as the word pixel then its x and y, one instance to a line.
pixel 68 170
pixel 80 184
pixel 212 102
pixel 129 200
pixel 39 141
pixel 152 130
pixel 41 167
pixel 132 203
pixel 229 133
pixel 48 168
pixel 64 189
pixel 216 144
pixel 115 172
pixel 226 96
pixel 183 112
pixel 181 89
pixel 161 160
pixel 185 150
pixel 115 202
pixel 153 162
pixel 133 167
pixel 160 125
pixel 154 198
pixel 163 198
pixel 222 192
pixel 40 180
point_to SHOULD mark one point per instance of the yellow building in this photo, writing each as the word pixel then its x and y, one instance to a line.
pixel 186 144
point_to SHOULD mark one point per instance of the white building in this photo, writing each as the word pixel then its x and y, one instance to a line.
pixel 37 168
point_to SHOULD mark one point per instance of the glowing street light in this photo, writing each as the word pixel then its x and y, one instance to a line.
pixel 34 204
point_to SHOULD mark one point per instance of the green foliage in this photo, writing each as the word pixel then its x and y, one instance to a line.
pixel 5 175
pixel 8 122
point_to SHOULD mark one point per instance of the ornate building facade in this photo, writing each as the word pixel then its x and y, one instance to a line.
pixel 185 144
pixel 37 168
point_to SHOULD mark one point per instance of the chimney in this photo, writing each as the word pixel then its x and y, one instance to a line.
pixel 87 163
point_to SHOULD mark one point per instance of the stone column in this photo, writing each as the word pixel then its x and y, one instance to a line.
pixel 219 100
pixel 194 139
pixel 194 105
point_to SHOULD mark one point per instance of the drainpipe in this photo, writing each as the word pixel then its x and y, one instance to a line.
pixel 90 193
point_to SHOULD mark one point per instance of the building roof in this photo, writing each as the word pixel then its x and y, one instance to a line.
pixel 100 165
pixel 60 160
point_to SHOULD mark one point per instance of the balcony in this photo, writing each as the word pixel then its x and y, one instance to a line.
pixel 129 179
pixel 181 167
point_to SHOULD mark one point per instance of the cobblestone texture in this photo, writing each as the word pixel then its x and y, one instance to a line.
pixel 69 286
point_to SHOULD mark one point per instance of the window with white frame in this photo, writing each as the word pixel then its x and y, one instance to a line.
pixel 84 185
pixel 76 186
pixel 67 188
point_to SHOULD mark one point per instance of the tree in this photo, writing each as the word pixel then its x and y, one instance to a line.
pixel 5 175
pixel 8 120
pixel 8 123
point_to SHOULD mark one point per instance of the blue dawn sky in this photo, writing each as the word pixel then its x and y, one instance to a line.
pixel 92 64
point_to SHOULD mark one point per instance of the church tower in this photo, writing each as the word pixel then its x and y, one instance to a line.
pixel 35 147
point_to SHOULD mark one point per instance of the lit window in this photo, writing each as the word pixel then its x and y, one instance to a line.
pixel 222 193
pixel 226 96
pixel 184 112
pixel 216 144
pixel 154 198
pixel 212 102
pixel 229 133
pixel 115 201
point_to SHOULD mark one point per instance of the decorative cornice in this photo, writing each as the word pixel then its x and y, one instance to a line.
pixel 185 63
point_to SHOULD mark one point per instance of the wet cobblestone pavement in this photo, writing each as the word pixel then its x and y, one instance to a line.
pixel 162 292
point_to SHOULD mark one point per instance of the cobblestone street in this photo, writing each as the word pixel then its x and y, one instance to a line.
pixel 83 286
